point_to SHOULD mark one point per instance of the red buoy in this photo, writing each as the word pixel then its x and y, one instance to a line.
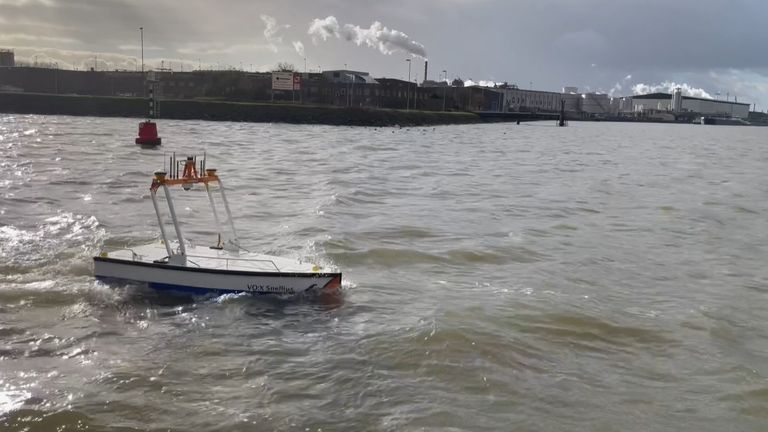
pixel 148 134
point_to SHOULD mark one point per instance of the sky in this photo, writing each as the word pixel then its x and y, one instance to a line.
pixel 709 48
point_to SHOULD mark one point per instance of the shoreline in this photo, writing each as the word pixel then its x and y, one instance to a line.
pixel 176 109
pixel 255 112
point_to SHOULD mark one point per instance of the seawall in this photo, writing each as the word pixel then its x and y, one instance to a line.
pixel 49 104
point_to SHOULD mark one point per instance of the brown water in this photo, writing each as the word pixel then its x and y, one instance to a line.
pixel 600 277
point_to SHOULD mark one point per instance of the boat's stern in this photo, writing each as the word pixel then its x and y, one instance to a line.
pixel 334 285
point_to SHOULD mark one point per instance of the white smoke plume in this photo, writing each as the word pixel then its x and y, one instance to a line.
pixel 271 31
pixel 299 47
pixel 668 87
pixel 618 86
pixel 378 36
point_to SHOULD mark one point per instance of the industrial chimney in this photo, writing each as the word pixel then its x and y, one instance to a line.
pixel 426 64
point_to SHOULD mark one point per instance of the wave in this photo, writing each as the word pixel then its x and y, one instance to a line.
pixel 395 257
pixel 590 333
pixel 57 242
pixel 39 419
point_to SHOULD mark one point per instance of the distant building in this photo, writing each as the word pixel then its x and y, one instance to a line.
pixel 710 107
pixel 510 98
pixel 595 103
pixel 396 93
pixel 348 76
pixel 7 58
pixel 430 83
pixel 572 102
pixel 517 99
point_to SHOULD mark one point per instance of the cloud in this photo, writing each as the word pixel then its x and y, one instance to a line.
pixel 12 37
pixel 618 86
pixel 378 36
pixel 481 83
pixel 18 3
pixel 83 60
pixel 74 59
pixel 271 31
pixel 668 87
pixel 748 85
pixel 299 47
pixel 221 48
pixel 138 48
pixel 323 29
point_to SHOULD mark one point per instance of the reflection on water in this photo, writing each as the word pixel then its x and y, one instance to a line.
pixel 595 277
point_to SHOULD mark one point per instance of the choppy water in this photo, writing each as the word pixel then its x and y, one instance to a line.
pixel 600 277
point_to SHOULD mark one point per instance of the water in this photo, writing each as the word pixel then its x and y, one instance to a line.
pixel 497 277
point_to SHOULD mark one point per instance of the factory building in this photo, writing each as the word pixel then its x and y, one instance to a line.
pixel 7 58
pixel 572 99
pixel 678 103
pixel 348 76
pixel 596 104
pixel 624 105
pixel 516 99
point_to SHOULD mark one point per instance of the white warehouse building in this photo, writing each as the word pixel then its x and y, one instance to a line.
pixel 668 102
pixel 517 99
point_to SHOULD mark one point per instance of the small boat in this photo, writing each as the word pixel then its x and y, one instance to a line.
pixel 222 268
pixel 727 121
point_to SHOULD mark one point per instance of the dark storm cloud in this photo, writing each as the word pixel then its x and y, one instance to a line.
pixel 673 34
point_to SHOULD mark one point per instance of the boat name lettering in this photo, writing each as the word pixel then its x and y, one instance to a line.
pixel 280 289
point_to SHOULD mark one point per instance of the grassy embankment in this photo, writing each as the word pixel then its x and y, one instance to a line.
pixel 30 103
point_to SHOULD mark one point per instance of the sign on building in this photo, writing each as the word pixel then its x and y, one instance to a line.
pixel 296 82
pixel 282 80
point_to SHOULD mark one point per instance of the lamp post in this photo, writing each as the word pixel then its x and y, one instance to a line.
pixel 141 30
pixel 408 89
pixel 445 87
pixel 415 91
pixel 346 87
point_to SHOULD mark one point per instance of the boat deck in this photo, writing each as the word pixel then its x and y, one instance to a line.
pixel 218 259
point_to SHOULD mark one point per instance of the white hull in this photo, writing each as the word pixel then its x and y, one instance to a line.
pixel 224 273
